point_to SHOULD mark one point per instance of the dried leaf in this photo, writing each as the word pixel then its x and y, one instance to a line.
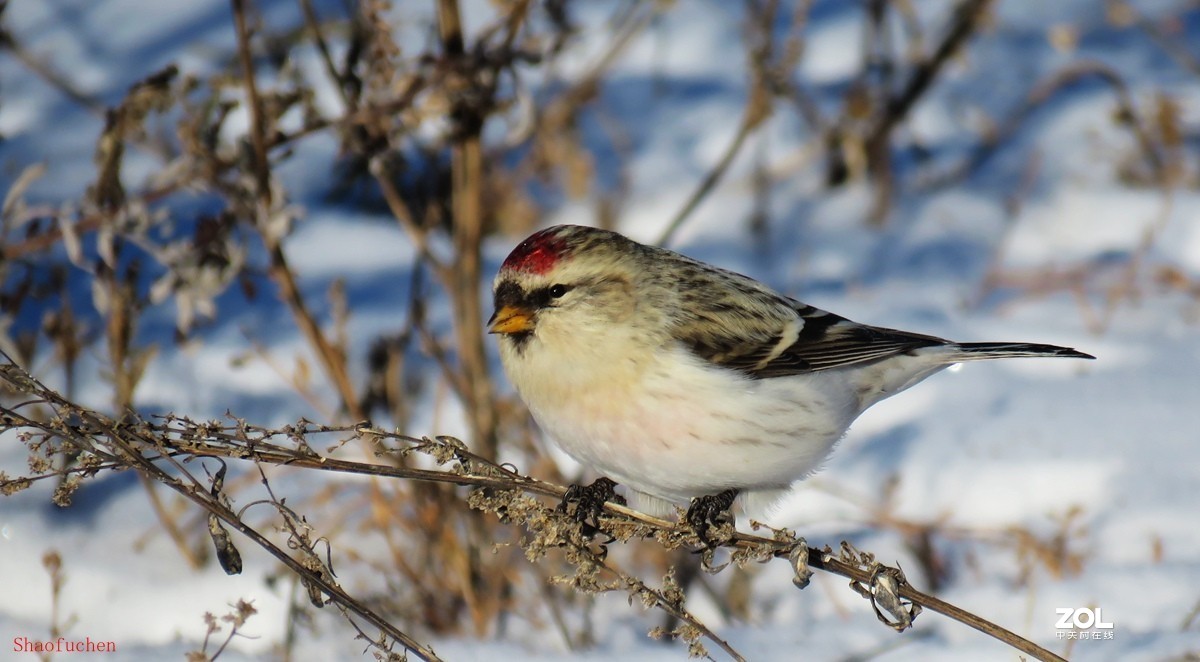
pixel 227 554
pixel 71 242
pixel 27 177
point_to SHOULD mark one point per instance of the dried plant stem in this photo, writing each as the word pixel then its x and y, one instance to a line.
pixel 751 118
pixel 195 561
pixel 335 592
pixel 968 15
pixel 315 27
pixel 47 73
pixel 258 124
pixel 137 444
pixel 332 359
pixel 1042 93
pixel 467 181
pixel 757 110
pixel 128 445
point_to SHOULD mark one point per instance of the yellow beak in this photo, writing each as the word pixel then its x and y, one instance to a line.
pixel 511 319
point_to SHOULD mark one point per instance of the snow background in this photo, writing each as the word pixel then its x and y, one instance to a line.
pixel 993 446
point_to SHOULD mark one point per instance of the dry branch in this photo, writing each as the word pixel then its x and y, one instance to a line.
pixel 757 111
pixel 266 213
pixel 467 181
pixel 161 451
pixel 1040 95
pixel 967 17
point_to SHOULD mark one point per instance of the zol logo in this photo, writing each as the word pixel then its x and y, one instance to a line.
pixel 1082 623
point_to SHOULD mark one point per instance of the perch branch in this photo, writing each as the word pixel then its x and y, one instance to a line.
pixel 139 444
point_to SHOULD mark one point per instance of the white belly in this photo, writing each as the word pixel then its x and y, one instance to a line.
pixel 676 429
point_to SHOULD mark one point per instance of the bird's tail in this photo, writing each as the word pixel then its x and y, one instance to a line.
pixel 978 351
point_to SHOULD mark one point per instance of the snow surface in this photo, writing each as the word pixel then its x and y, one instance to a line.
pixel 991 447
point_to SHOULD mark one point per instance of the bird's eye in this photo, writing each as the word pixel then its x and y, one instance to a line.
pixel 556 291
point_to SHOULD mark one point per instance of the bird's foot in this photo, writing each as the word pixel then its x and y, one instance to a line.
pixel 585 503
pixel 708 516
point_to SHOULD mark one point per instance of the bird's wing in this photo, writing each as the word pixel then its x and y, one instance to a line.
pixel 808 340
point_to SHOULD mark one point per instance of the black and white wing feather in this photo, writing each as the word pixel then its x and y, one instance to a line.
pixel 809 340
pixel 738 323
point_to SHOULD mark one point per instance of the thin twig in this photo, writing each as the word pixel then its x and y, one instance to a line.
pixel 332 359
pixel 47 73
pixel 258 122
pixel 1177 51
pixel 757 110
pixel 315 27
pixel 467 182
pixel 178 438
pixel 1043 92
pixel 967 16
pixel 131 444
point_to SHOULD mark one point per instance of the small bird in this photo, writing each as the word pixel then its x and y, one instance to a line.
pixel 688 383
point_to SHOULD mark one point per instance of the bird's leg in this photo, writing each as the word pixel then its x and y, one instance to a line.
pixel 709 513
pixel 584 503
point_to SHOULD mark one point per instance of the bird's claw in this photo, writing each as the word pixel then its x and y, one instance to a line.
pixel 585 503
pixel 708 516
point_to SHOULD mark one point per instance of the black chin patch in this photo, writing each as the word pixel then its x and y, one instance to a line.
pixel 520 340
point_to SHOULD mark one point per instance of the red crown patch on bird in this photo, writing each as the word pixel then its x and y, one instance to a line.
pixel 537 254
